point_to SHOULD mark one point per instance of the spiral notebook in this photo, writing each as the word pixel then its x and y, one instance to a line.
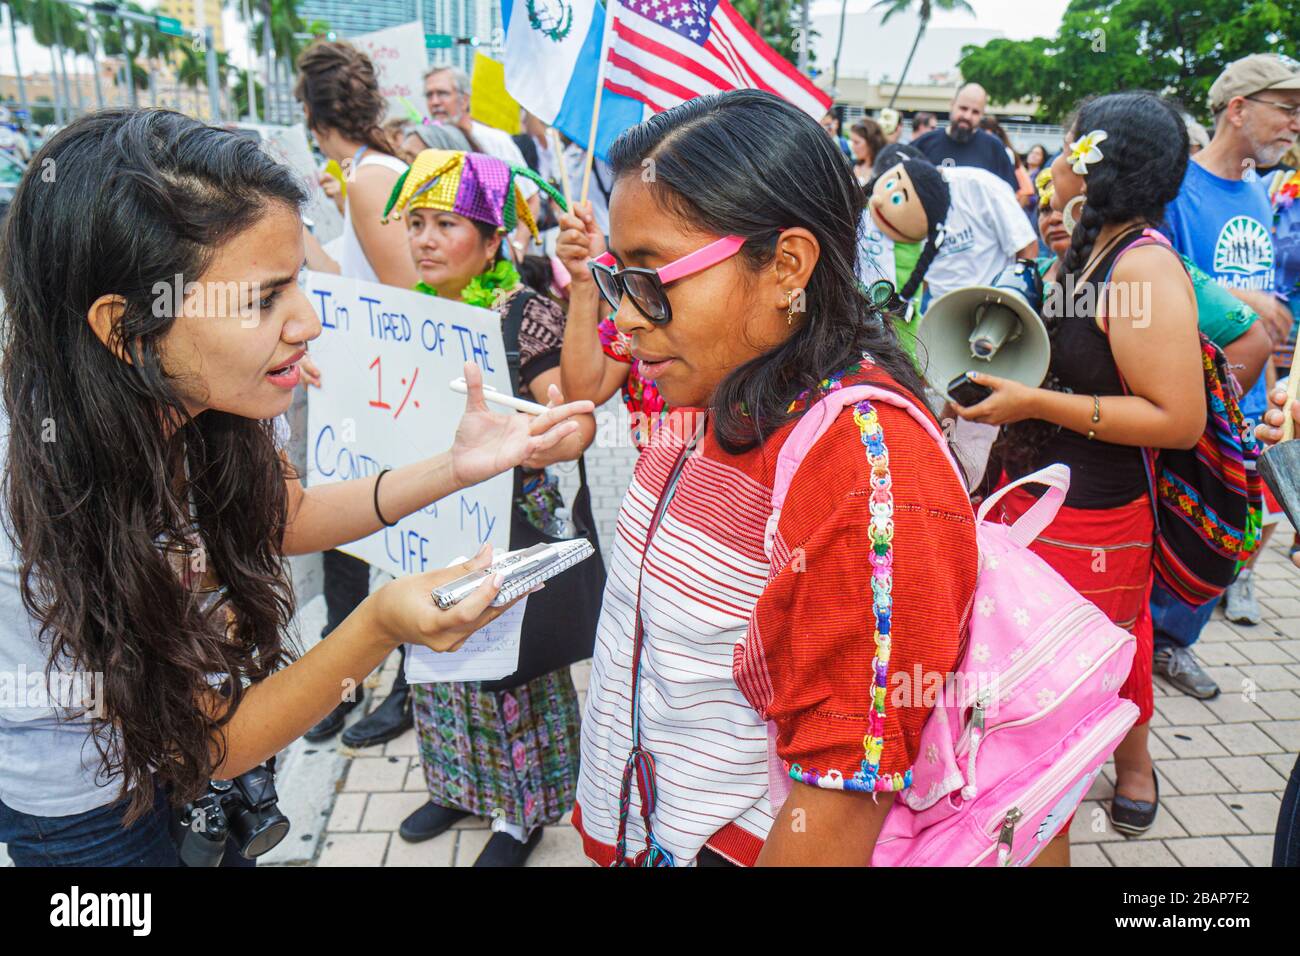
pixel 540 562
pixel 492 652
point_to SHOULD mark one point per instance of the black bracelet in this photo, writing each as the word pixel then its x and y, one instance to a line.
pixel 378 514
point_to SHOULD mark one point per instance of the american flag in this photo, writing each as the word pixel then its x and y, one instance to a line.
pixel 664 52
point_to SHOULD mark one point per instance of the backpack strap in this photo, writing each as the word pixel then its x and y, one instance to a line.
pixel 1149 237
pixel 1042 512
pixel 810 427
pixel 815 422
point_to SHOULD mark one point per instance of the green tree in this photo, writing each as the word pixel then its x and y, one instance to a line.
pixel 275 36
pixel 778 23
pixel 925 10
pixel 1173 47
pixel 130 42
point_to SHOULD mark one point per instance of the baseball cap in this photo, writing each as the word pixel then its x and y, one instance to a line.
pixel 1252 74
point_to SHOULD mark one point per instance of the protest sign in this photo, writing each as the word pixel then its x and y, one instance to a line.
pixel 400 61
pixel 288 145
pixel 489 101
pixel 386 357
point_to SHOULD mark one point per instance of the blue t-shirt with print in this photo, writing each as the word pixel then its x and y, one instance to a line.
pixel 1223 225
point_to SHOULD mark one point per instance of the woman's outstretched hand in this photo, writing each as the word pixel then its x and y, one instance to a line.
pixel 490 442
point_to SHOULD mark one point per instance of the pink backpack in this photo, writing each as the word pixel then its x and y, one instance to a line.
pixel 1006 759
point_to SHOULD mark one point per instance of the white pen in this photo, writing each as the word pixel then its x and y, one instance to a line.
pixel 500 398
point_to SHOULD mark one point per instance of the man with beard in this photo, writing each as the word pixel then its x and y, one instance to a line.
pixel 1221 221
pixel 963 143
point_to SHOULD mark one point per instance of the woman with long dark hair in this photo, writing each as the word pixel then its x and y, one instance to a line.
pixel 153 325
pixel 1125 374
pixel 732 274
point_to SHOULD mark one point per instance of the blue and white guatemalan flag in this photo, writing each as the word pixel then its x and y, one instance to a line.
pixel 552 58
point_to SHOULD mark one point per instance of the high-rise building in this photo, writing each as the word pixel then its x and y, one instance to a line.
pixel 480 19
pixel 197 14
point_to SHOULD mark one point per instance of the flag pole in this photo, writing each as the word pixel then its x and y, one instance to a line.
pixel 595 106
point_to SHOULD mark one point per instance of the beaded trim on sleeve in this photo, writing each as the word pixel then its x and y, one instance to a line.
pixel 868 779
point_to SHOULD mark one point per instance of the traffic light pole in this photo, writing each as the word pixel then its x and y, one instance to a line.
pixel 214 88
pixel 169 26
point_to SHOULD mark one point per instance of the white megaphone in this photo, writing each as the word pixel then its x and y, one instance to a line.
pixel 987 328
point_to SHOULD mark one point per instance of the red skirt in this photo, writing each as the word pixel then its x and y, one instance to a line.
pixel 1105 554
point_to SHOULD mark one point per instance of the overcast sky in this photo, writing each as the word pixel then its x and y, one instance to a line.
pixel 1018 19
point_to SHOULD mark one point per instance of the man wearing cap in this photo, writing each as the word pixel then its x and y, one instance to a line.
pixel 1220 220
pixel 963 143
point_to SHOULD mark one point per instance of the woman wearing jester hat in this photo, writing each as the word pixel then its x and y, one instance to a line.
pixel 509 754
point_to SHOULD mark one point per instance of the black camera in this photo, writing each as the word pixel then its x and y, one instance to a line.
pixel 244 809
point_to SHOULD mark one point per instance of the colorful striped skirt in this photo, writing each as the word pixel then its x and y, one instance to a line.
pixel 511 754
pixel 1105 554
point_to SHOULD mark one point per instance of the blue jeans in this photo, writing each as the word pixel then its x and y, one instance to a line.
pixel 97 838
pixel 1176 624
pixel 1286 845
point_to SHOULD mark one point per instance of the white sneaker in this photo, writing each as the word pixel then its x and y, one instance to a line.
pixel 1239 602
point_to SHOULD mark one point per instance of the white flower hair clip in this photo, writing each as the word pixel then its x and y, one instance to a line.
pixel 1085 151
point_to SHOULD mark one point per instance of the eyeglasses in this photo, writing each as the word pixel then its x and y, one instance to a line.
pixel 645 287
pixel 1291 111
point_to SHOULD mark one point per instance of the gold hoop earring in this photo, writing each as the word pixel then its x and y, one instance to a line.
pixel 1067 214
pixel 789 312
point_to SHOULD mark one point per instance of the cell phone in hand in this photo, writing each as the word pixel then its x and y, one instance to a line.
pixel 966 392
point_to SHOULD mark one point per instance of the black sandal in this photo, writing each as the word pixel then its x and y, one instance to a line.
pixel 1135 817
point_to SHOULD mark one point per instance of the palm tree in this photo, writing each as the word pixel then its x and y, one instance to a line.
pixel 49 21
pixel 17 12
pixel 276 35
pixel 123 41
pixel 191 71
pixel 159 48
pixel 92 49
pixel 925 9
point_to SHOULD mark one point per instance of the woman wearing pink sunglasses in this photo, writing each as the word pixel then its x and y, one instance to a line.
pixel 731 274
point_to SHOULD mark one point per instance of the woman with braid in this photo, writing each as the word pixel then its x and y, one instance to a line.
pixel 1125 373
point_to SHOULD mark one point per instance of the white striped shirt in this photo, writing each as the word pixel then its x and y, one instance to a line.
pixel 703 575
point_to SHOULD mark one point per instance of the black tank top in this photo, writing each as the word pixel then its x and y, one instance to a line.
pixel 1102 474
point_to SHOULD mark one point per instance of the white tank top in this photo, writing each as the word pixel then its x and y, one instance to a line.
pixel 353 263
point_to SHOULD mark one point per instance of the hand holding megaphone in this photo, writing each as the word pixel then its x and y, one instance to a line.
pixel 991 329
pixel 1010 402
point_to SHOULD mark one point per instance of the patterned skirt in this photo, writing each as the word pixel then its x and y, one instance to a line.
pixel 511 754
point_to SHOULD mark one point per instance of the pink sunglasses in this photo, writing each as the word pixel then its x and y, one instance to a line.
pixel 645 287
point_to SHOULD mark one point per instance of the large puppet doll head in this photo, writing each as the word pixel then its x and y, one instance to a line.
pixel 909 203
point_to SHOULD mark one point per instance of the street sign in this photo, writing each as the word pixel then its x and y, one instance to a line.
pixel 438 41
pixel 169 25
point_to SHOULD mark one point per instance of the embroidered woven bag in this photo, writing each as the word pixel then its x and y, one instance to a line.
pixel 1006 759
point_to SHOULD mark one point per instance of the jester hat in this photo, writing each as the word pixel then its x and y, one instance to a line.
pixel 473 185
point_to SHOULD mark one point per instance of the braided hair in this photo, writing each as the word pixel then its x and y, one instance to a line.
pixel 1145 157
